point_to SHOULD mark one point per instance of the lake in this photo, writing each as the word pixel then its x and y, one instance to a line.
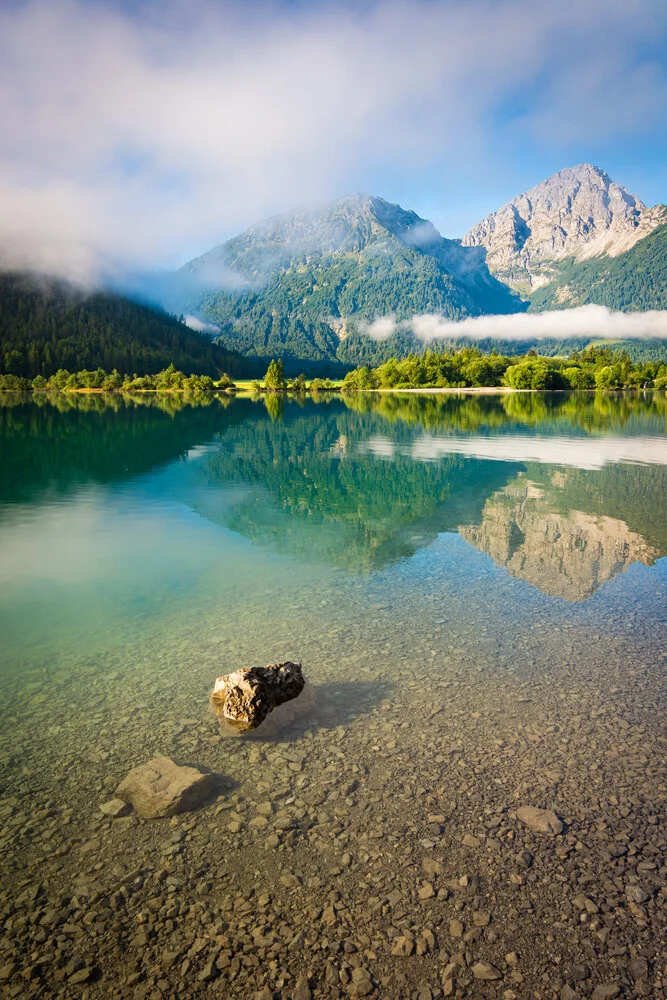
pixel 476 587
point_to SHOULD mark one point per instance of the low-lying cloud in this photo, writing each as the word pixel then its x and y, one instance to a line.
pixel 593 321
pixel 200 326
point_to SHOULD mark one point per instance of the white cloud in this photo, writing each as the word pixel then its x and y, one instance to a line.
pixel 577 452
pixel 380 329
pixel 584 321
pixel 133 137
pixel 200 326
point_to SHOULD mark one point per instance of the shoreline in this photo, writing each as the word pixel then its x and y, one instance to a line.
pixel 499 390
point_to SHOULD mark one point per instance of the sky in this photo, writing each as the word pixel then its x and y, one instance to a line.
pixel 138 135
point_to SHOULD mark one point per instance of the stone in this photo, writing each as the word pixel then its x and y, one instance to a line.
pixel 484 970
pixel 7 971
pixel 116 808
pixel 638 969
pixel 606 991
pixel 162 788
pixel 243 699
pixel 455 929
pixel 404 946
pixel 82 976
pixel 302 990
pixel 362 985
pixel 470 841
pixel 567 993
pixel 540 820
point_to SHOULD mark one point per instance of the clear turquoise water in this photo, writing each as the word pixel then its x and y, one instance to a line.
pixel 135 519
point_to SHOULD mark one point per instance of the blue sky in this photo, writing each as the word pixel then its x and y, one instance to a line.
pixel 138 135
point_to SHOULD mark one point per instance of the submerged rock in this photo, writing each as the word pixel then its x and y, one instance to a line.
pixel 243 699
pixel 116 808
pixel 163 788
pixel 540 820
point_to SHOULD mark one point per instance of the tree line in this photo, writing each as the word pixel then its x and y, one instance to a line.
pixel 591 368
pixel 168 380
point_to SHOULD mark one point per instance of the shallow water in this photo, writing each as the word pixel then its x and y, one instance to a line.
pixel 476 588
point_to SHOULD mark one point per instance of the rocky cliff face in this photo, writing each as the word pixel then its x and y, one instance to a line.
pixel 579 212
pixel 564 555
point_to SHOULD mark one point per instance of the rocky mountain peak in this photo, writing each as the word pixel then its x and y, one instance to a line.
pixel 578 212
pixel 347 225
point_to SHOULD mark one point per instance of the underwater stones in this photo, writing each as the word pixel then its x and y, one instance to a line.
pixel 162 788
pixel 540 820
pixel 243 699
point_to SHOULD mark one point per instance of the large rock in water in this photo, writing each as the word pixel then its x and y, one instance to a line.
pixel 244 698
pixel 163 788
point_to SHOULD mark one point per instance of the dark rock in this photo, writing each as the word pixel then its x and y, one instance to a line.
pixel 243 699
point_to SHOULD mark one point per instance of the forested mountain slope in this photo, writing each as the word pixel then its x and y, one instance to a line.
pixel 46 325
pixel 632 281
pixel 301 285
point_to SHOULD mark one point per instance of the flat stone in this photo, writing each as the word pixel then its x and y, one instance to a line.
pixel 484 970
pixel 638 969
pixel 567 993
pixel 116 808
pixel 162 788
pixel 540 820
pixel 606 991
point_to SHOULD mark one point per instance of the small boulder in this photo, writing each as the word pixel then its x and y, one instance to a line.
pixel 163 788
pixel 540 820
pixel 243 699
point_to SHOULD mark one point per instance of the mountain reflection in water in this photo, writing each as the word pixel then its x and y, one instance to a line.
pixel 563 490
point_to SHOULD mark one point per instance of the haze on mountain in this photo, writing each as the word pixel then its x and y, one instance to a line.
pixel 360 280
pixel 310 285
pixel 306 285
pixel 49 324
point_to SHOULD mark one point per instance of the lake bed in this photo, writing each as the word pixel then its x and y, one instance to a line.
pixel 476 589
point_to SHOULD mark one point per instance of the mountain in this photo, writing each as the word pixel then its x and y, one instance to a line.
pixel 578 214
pixel 49 324
pixel 301 285
pixel 567 554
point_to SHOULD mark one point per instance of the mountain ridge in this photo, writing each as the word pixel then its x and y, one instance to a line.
pixel 303 284
pixel 578 212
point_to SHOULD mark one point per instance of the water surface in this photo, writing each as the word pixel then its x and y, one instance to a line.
pixel 456 574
